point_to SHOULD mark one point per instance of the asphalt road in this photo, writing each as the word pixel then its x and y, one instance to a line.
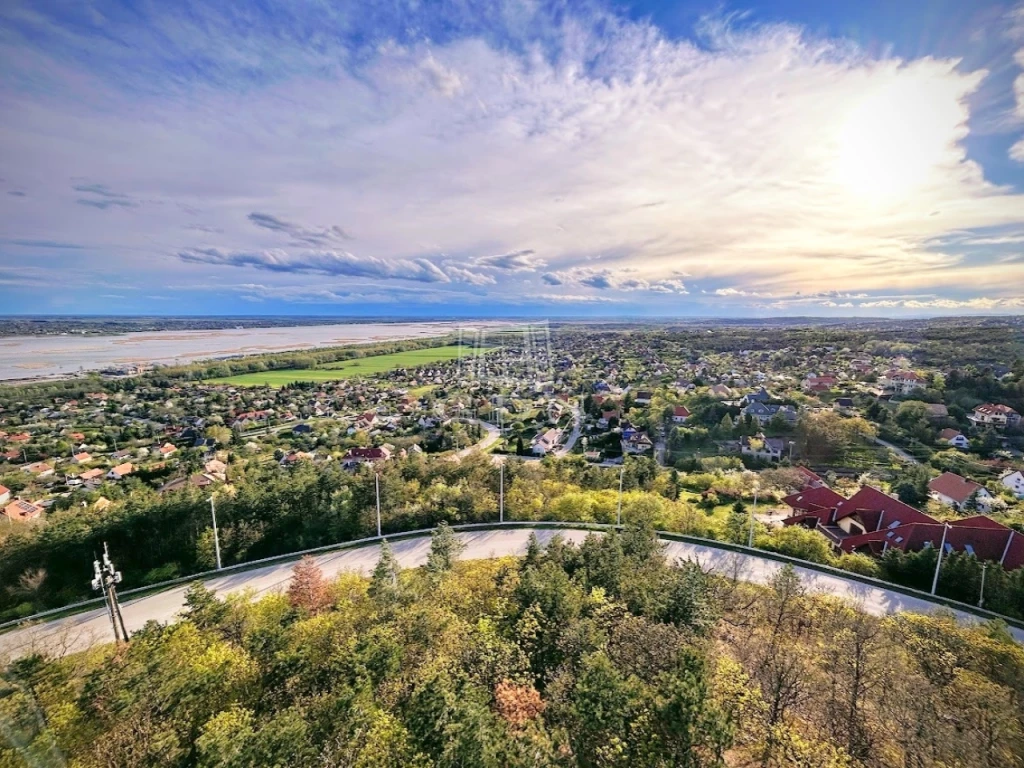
pixel 898 451
pixel 82 630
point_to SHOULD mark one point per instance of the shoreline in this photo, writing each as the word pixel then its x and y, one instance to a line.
pixel 54 356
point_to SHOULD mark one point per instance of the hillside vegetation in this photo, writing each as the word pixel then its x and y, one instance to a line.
pixel 601 655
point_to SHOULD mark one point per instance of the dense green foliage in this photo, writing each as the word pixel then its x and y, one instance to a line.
pixel 600 654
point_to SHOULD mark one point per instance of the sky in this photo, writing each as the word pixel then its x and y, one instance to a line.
pixel 512 158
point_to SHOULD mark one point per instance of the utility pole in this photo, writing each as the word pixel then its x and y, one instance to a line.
pixel 501 492
pixel 216 535
pixel 753 511
pixel 938 563
pixel 981 594
pixel 106 578
pixel 376 478
pixel 622 473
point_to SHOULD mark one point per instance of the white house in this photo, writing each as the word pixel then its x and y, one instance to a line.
pixel 636 443
pixel 121 470
pixel 680 414
pixel 761 447
pixel 994 415
pixel 1015 482
pixel 954 438
pixel 955 491
pixel 902 382
pixel 547 442
pixel 5 493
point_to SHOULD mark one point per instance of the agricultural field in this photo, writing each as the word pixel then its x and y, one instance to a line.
pixel 347 369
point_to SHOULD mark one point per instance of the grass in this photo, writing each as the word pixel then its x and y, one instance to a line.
pixel 346 369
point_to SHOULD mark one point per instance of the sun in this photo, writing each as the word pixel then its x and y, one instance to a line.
pixel 894 139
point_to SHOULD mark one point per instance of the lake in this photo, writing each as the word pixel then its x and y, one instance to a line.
pixel 29 357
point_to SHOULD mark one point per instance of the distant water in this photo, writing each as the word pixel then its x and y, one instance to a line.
pixel 25 357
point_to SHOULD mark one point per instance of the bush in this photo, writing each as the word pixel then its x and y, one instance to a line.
pixel 799 542
pixel 857 563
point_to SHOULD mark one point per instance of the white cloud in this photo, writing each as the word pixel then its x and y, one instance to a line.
pixel 765 160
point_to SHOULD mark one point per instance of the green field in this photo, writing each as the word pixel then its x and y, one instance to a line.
pixel 346 369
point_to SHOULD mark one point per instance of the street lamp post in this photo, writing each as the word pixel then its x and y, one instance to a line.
pixel 622 472
pixel 981 593
pixel 753 511
pixel 938 563
pixel 376 479
pixel 216 535
pixel 501 493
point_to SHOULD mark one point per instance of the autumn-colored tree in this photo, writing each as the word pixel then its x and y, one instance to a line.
pixel 517 704
pixel 308 591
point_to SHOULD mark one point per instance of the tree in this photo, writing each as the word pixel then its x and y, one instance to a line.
pixel 445 548
pixel 384 585
pixel 308 590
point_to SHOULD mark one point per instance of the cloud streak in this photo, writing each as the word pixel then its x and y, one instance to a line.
pixel 574 153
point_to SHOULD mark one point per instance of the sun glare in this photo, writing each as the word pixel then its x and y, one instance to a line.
pixel 892 141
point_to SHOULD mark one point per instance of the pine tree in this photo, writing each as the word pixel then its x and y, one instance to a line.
pixel 384 587
pixel 445 549
pixel 533 551
pixel 308 590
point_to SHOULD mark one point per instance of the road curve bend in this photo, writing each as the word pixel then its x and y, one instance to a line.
pixel 80 631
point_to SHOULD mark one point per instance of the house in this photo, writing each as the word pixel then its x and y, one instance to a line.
pixel 761 396
pixel 980 536
pixel 643 398
pixel 91 475
pixel 546 442
pixel 38 468
pixel 5 493
pixel 367 455
pixel 993 415
pixel 720 390
pixel 81 458
pixel 954 438
pixel 817 384
pixel 196 481
pixel 20 510
pixel 1014 481
pixel 955 491
pixel 121 470
pixel 866 511
pixel 843 404
pixel 762 413
pixel 20 437
pixel 761 447
pixel 121 455
pixel 902 382
pixel 216 469
pixel 634 443
pixel 302 429
pixel 937 411
pixel 680 414
pixel 166 450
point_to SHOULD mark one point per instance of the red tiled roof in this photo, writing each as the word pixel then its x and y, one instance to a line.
pixel 812 479
pixel 988 541
pixel 948 434
pixel 681 410
pixel 811 499
pixel 876 509
pixel 959 489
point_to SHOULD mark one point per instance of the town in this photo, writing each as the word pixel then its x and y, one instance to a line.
pixel 855 452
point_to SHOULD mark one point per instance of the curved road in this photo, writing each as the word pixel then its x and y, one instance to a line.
pixel 898 451
pixel 82 630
